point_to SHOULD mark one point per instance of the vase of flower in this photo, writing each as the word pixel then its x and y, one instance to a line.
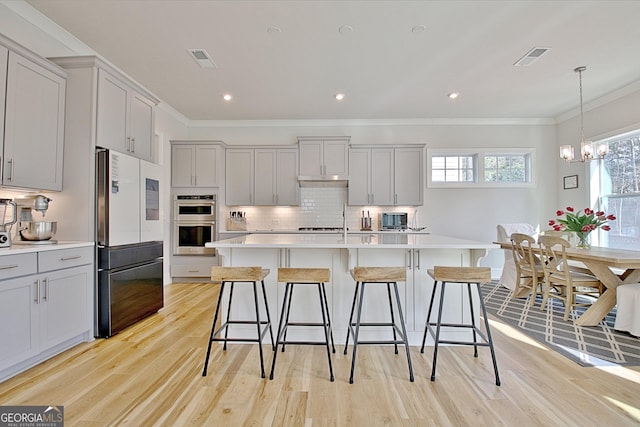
pixel 582 240
pixel 581 224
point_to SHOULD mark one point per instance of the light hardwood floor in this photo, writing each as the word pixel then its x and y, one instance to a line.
pixel 150 374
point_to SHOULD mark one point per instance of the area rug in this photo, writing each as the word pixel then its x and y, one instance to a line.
pixel 588 345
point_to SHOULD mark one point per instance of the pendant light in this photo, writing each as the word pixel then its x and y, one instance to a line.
pixel 586 147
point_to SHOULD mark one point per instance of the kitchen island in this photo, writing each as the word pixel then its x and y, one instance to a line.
pixel 415 252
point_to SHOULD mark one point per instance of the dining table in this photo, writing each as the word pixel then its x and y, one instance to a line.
pixel 612 266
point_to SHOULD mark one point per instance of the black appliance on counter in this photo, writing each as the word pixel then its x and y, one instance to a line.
pixel 128 240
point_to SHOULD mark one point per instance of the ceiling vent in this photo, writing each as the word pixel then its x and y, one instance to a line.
pixel 202 58
pixel 532 56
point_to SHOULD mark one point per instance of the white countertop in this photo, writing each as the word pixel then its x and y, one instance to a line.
pixel 353 241
pixel 41 247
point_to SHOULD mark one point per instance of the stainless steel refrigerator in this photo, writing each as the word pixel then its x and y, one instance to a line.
pixel 128 241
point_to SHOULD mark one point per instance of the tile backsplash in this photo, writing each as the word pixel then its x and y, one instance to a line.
pixel 319 207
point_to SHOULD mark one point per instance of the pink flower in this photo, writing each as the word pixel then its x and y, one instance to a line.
pixel 611 217
pixel 569 208
pixel 606 228
pixel 557 228
pixel 587 211
pixel 599 213
pixel 551 222
pixel 559 213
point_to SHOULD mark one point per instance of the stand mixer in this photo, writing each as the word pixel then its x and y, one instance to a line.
pixel 5 227
pixel 28 230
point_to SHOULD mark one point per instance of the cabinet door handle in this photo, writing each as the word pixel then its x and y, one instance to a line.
pixel 417 253
pixel 46 289
pixel 128 144
pixel 69 258
pixel 10 170
pixel 37 298
pixel 7 267
pixel 133 145
pixel 395 199
pixel 410 257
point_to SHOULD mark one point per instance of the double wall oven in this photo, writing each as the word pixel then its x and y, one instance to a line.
pixel 194 224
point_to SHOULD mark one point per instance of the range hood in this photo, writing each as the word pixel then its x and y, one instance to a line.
pixel 323 181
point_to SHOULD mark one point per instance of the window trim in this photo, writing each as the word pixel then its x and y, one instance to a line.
pixel 479 173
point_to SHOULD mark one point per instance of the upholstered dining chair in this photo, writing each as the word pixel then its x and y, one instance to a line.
pixel 560 281
pixel 529 272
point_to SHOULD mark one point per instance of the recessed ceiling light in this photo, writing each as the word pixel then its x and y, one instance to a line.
pixel 339 96
pixel 345 29
pixel 273 30
pixel 453 95
pixel 418 28
pixel 227 97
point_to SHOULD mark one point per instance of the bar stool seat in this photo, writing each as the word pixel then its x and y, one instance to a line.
pixel 304 276
pixel 460 275
pixel 233 275
pixel 377 275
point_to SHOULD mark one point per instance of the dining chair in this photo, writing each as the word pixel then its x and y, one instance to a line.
pixel 529 272
pixel 560 281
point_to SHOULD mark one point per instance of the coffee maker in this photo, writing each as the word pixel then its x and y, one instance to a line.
pixel 5 227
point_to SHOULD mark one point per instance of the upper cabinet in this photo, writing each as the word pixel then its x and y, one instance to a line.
pixel 125 118
pixel 371 180
pixel 386 175
pixel 324 158
pixel 195 164
pixel 32 95
pixel 262 176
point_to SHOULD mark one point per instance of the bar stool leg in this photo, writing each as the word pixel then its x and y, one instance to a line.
pixel 286 323
pixel 437 339
pixel 226 330
pixel 326 305
pixel 287 298
pixel 266 307
pixel 326 327
pixel 255 300
pixel 426 325
pixel 486 325
pixel 356 332
pixel 404 331
pixel 393 320
pixel 353 306
pixel 213 330
pixel 473 322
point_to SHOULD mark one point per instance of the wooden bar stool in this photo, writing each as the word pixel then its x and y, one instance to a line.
pixel 304 276
pixel 378 275
pixel 235 275
pixel 461 275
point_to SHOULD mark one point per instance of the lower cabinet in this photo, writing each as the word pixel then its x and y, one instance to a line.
pixel 47 309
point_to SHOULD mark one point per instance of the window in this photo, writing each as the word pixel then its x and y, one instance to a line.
pixel 480 168
pixel 506 168
pixel 616 190
pixel 453 168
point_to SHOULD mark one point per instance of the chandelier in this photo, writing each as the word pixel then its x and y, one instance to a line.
pixel 586 147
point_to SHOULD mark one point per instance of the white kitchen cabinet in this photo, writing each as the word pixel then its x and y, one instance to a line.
pixel 409 176
pixel 47 298
pixel 239 190
pixel 262 176
pixel 371 176
pixel 386 176
pixel 195 165
pixel 276 177
pixel 324 158
pixel 125 117
pixel 34 106
pixel 18 310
